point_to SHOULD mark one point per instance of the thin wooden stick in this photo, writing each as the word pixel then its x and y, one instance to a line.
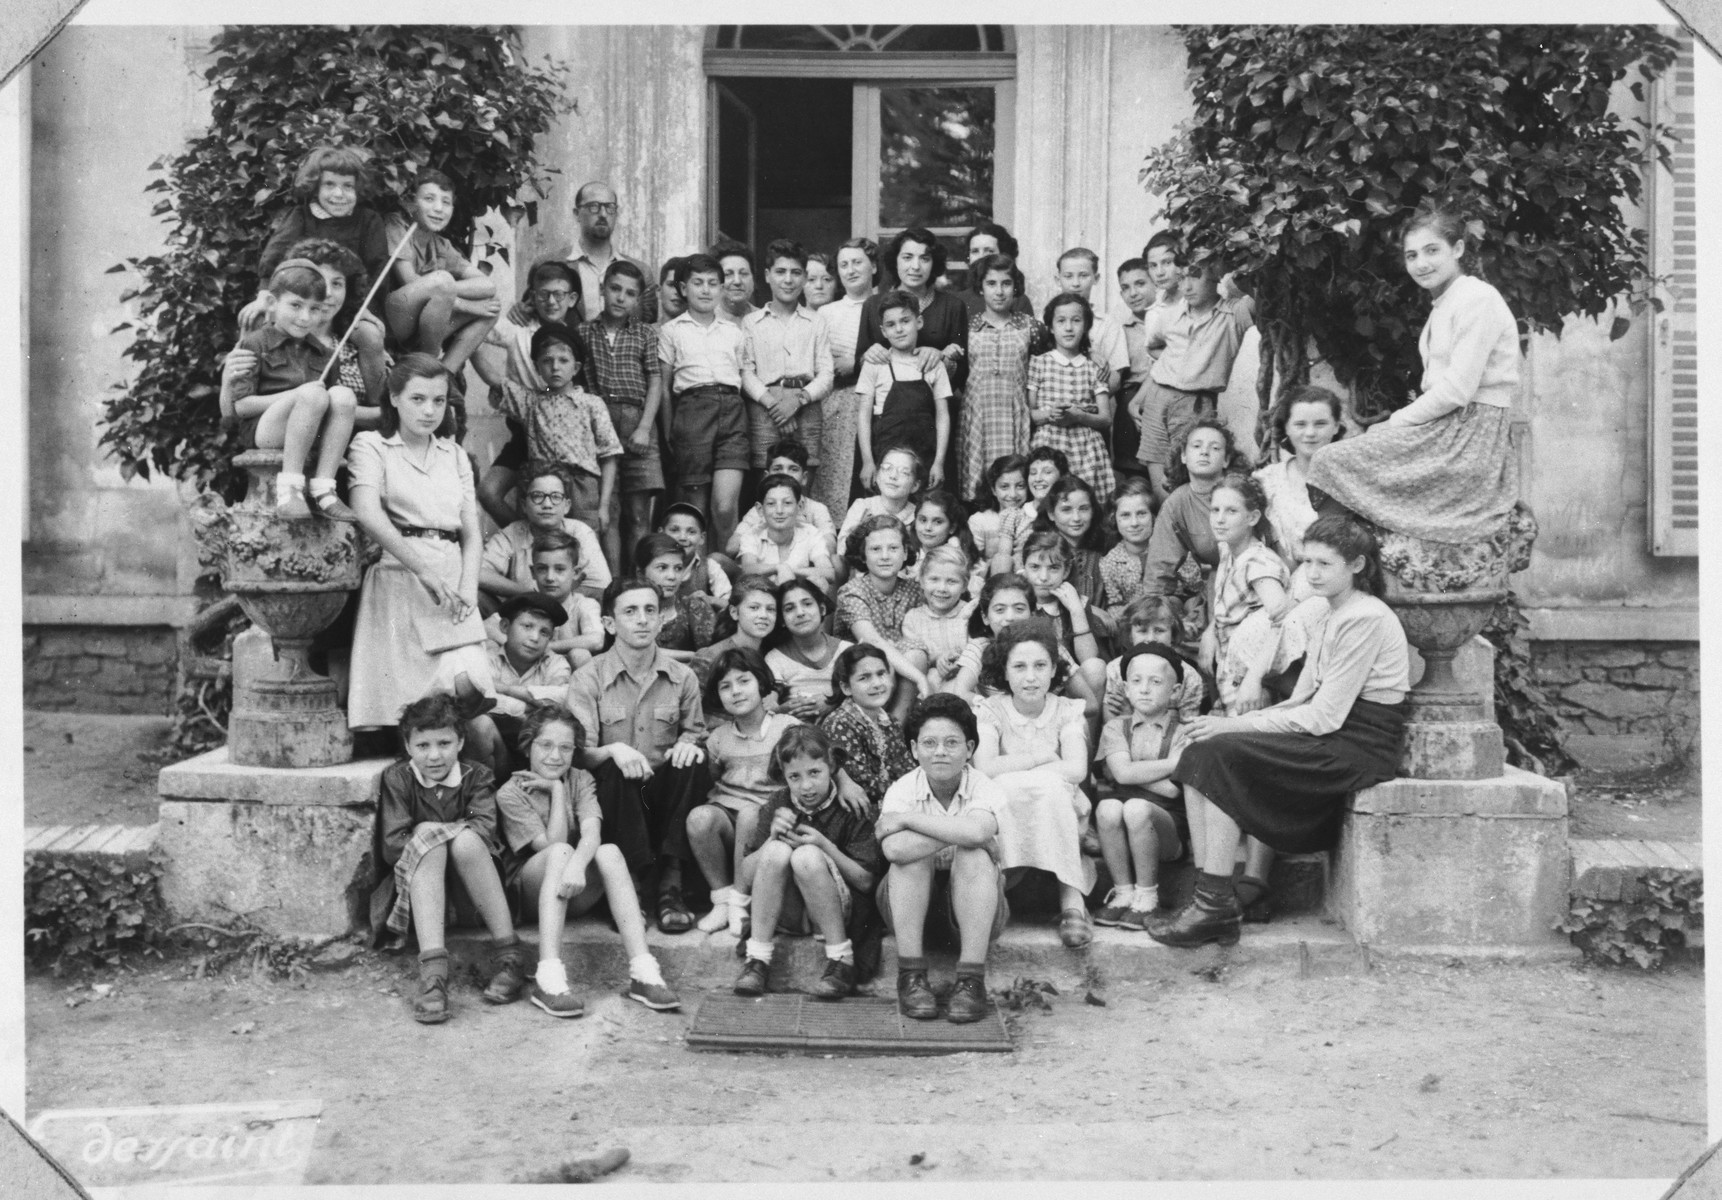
pixel 375 284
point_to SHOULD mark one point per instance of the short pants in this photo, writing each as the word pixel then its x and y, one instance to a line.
pixel 708 433
pixel 765 433
pixel 583 499
pixel 637 472
pixel 1165 411
pixel 513 455
pixel 946 905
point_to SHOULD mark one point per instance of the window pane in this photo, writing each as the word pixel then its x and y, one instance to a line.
pixel 936 155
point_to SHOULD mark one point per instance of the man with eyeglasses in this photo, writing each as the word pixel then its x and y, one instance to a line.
pixel 596 209
pixel 938 828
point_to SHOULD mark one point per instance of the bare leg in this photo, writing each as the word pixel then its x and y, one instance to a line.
pixel 367 339
pixel 726 498
pixel 746 822
pixel 711 836
pixel 1118 852
pixel 429 897
pixel 910 892
pixel 819 892
pixel 975 896
pixel 337 432
pixel 405 308
pixel 466 334
pixel 1218 852
pixel 771 873
pixel 485 745
pixel 624 902
pixel 541 877
pixel 472 860
pixel 493 492
pixel 291 423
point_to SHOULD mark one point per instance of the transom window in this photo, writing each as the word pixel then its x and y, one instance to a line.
pixel 888 39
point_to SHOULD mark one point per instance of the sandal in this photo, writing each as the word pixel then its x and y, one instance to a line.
pixel 673 914
pixel 1073 928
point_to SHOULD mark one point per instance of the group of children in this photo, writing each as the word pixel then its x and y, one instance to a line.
pixel 979 671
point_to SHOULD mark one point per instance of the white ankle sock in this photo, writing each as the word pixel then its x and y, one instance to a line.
pixel 718 917
pixel 644 968
pixel 552 976
pixel 738 906
pixel 318 486
pixel 1145 899
pixel 760 950
pixel 844 950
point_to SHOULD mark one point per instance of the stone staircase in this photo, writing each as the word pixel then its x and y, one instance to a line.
pixel 1301 939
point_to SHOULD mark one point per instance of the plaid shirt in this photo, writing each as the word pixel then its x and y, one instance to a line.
pixel 620 362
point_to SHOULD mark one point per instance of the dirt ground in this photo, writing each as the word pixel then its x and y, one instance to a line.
pixel 1411 1070
pixel 85 769
pixel 1407 1070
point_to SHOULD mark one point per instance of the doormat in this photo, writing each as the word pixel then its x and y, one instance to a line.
pixel 791 1023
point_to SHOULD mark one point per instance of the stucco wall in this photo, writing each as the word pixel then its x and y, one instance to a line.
pixel 1090 102
pixel 106 103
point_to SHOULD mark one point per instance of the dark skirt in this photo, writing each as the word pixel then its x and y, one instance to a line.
pixel 1290 789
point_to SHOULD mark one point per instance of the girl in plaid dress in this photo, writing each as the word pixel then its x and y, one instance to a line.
pixel 1001 343
pixel 1069 404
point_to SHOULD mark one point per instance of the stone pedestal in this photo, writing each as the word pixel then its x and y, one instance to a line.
pixel 1450 732
pixel 292 578
pixel 1468 867
pixel 287 848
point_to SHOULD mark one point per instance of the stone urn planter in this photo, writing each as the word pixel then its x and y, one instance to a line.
pixel 1449 734
pixel 292 578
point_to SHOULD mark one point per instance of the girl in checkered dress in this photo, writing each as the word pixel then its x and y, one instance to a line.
pixel 1068 401
pixel 1001 343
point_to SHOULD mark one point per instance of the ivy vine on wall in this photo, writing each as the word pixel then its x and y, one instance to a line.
pixel 461 99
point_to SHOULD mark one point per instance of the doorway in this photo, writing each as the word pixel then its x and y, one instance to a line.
pixel 783 159
pixel 821 160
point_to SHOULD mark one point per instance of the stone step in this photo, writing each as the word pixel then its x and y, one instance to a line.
pixel 130 842
pixel 693 961
pixel 1615 868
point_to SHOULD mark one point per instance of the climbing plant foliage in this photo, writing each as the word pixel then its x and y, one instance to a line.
pixel 1311 144
pixel 460 99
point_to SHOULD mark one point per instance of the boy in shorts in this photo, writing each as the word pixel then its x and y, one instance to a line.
pixel 702 356
pixel 938 829
pixel 1140 817
pixel 786 366
pixel 442 304
pixel 1197 340
pixel 621 356
pixel 437 816
pixel 276 396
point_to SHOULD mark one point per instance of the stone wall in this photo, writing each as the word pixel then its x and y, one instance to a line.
pixel 101 669
pixel 1616 689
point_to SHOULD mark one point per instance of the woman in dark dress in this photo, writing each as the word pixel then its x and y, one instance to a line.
pixel 1283 774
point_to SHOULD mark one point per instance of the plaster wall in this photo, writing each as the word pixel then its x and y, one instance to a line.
pixel 93 136
pixel 1090 102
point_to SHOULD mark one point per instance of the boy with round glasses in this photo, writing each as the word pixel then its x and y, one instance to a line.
pixel 938 829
